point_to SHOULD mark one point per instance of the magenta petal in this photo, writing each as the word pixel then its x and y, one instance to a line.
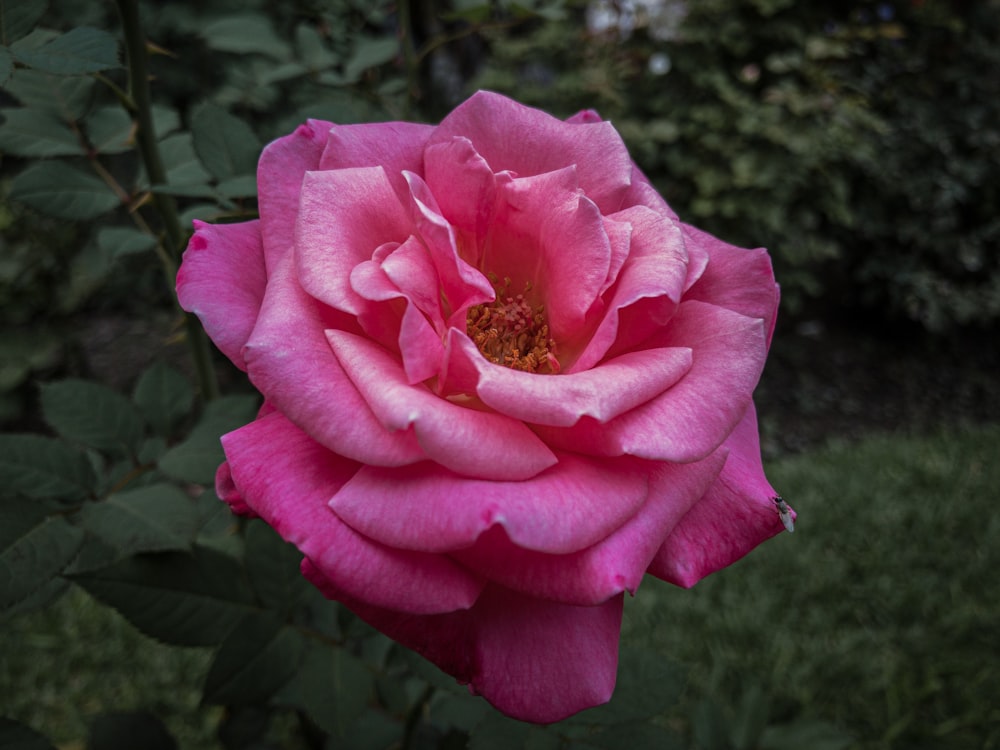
pixel 227 491
pixel 290 362
pixel 527 142
pixel 571 506
pixel 614 564
pixel 282 166
pixel 533 660
pixel 287 479
pixel 602 393
pixel 737 279
pixel 464 186
pixel 343 218
pixel 394 146
pixel 222 280
pixel 691 419
pixel 470 442
pixel 735 515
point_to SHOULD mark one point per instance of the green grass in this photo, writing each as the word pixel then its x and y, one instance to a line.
pixel 879 615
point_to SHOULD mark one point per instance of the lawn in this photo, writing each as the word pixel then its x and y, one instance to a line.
pixel 877 618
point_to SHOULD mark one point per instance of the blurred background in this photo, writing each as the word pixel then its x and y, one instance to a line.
pixel 858 141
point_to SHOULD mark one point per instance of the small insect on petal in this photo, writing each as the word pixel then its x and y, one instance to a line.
pixel 785 514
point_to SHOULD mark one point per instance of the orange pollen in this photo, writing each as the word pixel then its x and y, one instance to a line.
pixel 509 332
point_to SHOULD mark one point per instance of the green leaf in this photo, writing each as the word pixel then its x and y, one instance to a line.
pixel 244 186
pixel 815 735
pixel 59 190
pixel 31 132
pixel 92 414
pixel 165 120
pixel 164 397
pixel 79 51
pixel 124 731
pixel 115 242
pixel 332 686
pixel 16 736
pixel 246 34
pixel 156 518
pixel 751 719
pixel 636 735
pixel 312 50
pixel 67 97
pixel 6 65
pixel 183 166
pixel 368 53
pixel 187 599
pixel 647 685
pixel 197 458
pixel 225 144
pixel 709 727
pixel 18 17
pixel 43 467
pixel 109 130
pixel 35 548
pixel 254 661
pixel 497 732
pixel 272 567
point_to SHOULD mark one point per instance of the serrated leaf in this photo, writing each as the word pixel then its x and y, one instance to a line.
pixel 31 132
pixel 272 566
pixel 164 397
pixel 92 414
pixel 369 53
pixel 43 467
pixel 332 686
pixel 67 97
pixel 109 130
pixel 187 599
pixel 59 190
pixel 118 241
pixel 124 731
pixel 244 186
pixel 156 518
pixel 16 736
pixel 18 17
pixel 6 65
pixel 246 34
pixel 183 166
pixel 225 144
pixel 165 120
pixel 254 661
pixel 38 550
pixel 78 51
pixel 197 458
pixel 312 50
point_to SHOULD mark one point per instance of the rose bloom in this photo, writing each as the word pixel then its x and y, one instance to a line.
pixel 501 382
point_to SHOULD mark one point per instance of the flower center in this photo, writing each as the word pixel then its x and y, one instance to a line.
pixel 512 333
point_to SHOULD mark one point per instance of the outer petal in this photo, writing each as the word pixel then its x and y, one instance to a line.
pixel 573 505
pixel 737 279
pixel 287 479
pixel 471 442
pixel 735 515
pixel 691 419
pixel 290 362
pixel 282 166
pixel 614 564
pixel 602 393
pixel 528 142
pixel 532 659
pixel 222 281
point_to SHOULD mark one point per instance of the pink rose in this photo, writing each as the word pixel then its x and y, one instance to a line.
pixel 502 381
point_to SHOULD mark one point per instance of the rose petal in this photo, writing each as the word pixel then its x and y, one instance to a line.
pixel 287 478
pixel 612 565
pixel 735 515
pixel 691 419
pixel 571 506
pixel 533 660
pixel 464 186
pixel 526 141
pixel 222 280
pixel 601 393
pixel 289 361
pixel 737 279
pixel 393 146
pixel 344 217
pixel 470 442
pixel 280 170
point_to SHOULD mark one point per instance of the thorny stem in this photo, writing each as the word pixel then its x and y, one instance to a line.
pixel 141 110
